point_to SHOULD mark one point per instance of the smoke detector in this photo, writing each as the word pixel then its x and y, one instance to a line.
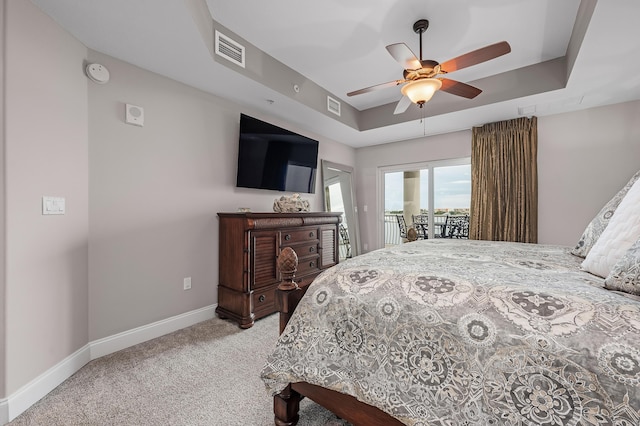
pixel 97 73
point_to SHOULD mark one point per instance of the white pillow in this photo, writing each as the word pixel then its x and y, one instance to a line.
pixel 593 231
pixel 622 231
pixel 625 275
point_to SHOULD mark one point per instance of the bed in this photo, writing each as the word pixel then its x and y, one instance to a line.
pixel 459 332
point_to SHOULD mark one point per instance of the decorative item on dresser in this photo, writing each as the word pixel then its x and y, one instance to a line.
pixel 250 244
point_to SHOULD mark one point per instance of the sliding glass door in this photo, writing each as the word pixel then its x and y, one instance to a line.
pixel 408 192
pixel 406 200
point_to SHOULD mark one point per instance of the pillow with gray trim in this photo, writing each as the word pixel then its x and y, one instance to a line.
pixel 598 223
pixel 625 275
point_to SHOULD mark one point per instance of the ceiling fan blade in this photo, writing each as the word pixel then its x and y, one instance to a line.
pixel 404 56
pixel 458 88
pixel 376 87
pixel 402 105
pixel 475 57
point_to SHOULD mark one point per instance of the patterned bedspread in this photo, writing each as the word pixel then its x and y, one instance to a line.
pixel 441 332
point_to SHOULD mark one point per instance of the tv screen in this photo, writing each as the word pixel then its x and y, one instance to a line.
pixel 270 157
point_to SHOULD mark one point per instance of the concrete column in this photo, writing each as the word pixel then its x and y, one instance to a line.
pixel 411 195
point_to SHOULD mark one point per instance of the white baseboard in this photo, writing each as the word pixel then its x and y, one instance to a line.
pixel 29 394
pixel 4 411
pixel 117 342
pixel 33 391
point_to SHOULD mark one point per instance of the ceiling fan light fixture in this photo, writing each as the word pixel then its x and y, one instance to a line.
pixel 421 91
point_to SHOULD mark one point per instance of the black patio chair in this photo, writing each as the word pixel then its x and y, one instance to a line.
pixel 402 225
pixel 421 223
pixel 458 226
pixel 344 240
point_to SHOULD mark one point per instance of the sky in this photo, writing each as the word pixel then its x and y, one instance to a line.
pixel 453 188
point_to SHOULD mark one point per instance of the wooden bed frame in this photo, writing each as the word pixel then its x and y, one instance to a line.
pixel 287 403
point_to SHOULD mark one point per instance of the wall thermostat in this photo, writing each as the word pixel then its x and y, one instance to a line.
pixel 97 73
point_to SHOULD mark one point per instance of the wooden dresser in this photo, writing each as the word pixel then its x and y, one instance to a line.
pixel 249 247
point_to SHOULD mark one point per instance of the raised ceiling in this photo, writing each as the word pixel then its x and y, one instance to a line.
pixel 566 55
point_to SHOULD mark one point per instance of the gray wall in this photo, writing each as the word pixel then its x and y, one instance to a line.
pixel 46 155
pixel 155 191
pixel 584 157
pixel 141 201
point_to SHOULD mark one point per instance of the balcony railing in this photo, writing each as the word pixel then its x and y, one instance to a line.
pixel 445 226
pixel 391 230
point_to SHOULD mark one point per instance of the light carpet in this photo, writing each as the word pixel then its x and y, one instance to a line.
pixel 206 374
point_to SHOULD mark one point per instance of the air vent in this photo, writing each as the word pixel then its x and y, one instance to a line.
pixel 527 110
pixel 333 105
pixel 229 49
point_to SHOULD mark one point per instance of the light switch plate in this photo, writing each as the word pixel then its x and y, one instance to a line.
pixel 53 205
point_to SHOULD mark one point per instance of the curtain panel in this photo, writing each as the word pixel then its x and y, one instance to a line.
pixel 504 188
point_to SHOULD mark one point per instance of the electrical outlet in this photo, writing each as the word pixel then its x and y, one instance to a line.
pixel 187 283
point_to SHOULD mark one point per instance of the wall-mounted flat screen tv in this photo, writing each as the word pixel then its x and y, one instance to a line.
pixel 270 157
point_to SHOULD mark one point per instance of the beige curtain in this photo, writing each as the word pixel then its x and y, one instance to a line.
pixel 504 189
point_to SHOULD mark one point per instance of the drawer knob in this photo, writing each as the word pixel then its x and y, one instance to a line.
pixel 312 264
pixel 261 298
pixel 311 234
pixel 287 237
pixel 312 249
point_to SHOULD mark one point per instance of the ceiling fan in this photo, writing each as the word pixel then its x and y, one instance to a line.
pixel 420 74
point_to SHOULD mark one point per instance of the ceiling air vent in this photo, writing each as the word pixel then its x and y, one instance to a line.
pixel 229 49
pixel 333 105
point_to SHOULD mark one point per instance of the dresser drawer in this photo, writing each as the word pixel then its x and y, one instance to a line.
pixel 307 265
pixel 294 236
pixel 305 249
pixel 264 301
